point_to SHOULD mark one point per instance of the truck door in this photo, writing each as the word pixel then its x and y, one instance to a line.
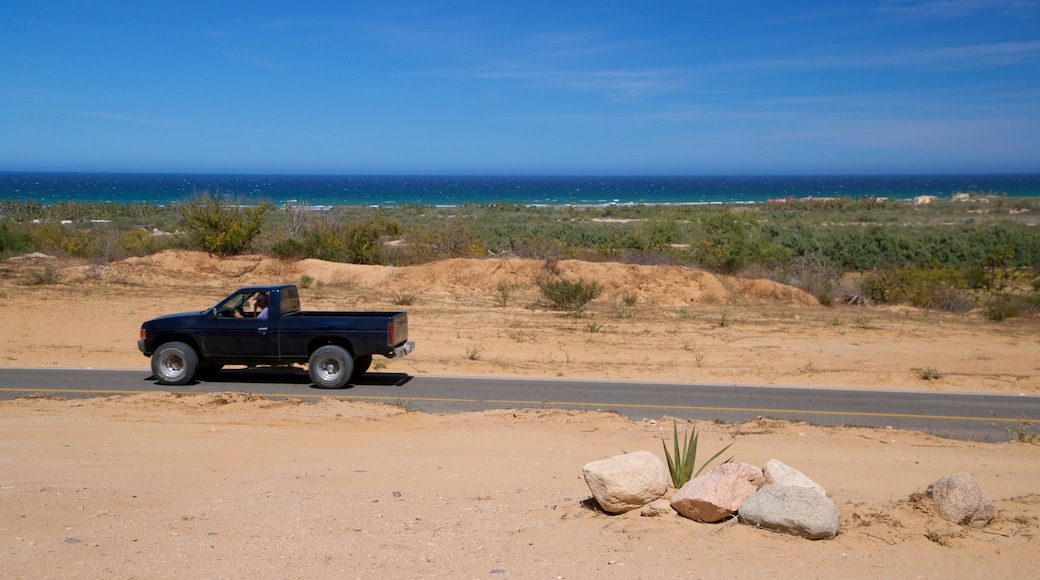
pixel 232 330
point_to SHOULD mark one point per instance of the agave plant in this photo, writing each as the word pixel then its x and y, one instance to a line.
pixel 681 468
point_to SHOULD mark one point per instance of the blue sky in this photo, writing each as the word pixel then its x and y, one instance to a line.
pixel 457 87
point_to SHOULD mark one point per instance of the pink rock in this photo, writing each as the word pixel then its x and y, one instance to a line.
pixel 718 493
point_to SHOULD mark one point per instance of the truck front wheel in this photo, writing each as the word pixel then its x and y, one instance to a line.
pixel 330 367
pixel 174 363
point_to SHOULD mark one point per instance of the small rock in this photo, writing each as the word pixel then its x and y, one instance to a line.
pixel 776 472
pixel 626 482
pixel 959 498
pixel 657 508
pixel 792 509
pixel 718 493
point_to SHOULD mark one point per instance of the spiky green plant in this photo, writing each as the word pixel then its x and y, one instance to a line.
pixel 681 467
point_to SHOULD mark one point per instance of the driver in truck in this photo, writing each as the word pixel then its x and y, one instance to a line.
pixel 260 306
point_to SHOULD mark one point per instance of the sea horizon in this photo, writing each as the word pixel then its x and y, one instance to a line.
pixel 316 190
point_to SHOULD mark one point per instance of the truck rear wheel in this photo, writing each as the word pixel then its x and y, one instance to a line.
pixel 330 367
pixel 361 365
pixel 174 363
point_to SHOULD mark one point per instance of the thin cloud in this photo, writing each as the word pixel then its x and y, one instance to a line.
pixel 122 118
pixel 953 9
pixel 615 84
pixel 949 57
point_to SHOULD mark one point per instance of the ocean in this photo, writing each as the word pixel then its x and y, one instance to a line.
pixel 329 190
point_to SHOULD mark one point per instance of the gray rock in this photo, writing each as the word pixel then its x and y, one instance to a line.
pixel 626 482
pixel 718 493
pixel 792 509
pixel 776 472
pixel 959 498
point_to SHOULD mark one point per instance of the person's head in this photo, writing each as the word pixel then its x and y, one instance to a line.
pixel 261 299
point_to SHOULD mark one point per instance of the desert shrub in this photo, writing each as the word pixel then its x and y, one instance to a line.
pixel 629 298
pixel 930 374
pixel 658 234
pixel 814 273
pixel 222 225
pixel 952 299
pixel 13 241
pixel 84 243
pixel 922 287
pixel 565 294
pixel 730 241
pixel 454 239
pixel 289 249
pixel 403 299
pixel 504 291
pixel 44 276
pixel 69 240
pixel 135 243
pixel 873 247
pixel 1001 307
pixel 975 277
pixel 362 241
pixel 49 237
pixel 359 242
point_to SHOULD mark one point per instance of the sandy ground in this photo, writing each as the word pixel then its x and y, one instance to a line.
pixel 231 485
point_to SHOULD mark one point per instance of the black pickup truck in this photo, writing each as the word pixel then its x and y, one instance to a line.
pixel 336 346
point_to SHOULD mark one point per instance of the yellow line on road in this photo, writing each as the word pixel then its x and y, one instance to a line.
pixel 546 403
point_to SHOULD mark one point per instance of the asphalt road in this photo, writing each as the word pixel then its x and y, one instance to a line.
pixel 984 417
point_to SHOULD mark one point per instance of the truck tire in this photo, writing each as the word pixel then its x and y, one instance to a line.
pixel 174 363
pixel 330 367
pixel 361 365
pixel 208 370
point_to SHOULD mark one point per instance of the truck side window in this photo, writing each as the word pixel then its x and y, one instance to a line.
pixel 260 306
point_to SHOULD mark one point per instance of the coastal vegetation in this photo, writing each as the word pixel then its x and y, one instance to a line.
pixel 973 250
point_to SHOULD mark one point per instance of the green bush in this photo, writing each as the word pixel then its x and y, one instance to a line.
pixel 1004 306
pixel 731 241
pixel 222 225
pixel 14 242
pixel 503 291
pixel 814 273
pixel 441 241
pixel 937 288
pixel 354 243
pixel 136 243
pixel 565 294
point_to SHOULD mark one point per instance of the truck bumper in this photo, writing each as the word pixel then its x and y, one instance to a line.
pixel 140 347
pixel 404 349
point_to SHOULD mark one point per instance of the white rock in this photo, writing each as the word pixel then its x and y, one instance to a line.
pixel 776 472
pixel 626 482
